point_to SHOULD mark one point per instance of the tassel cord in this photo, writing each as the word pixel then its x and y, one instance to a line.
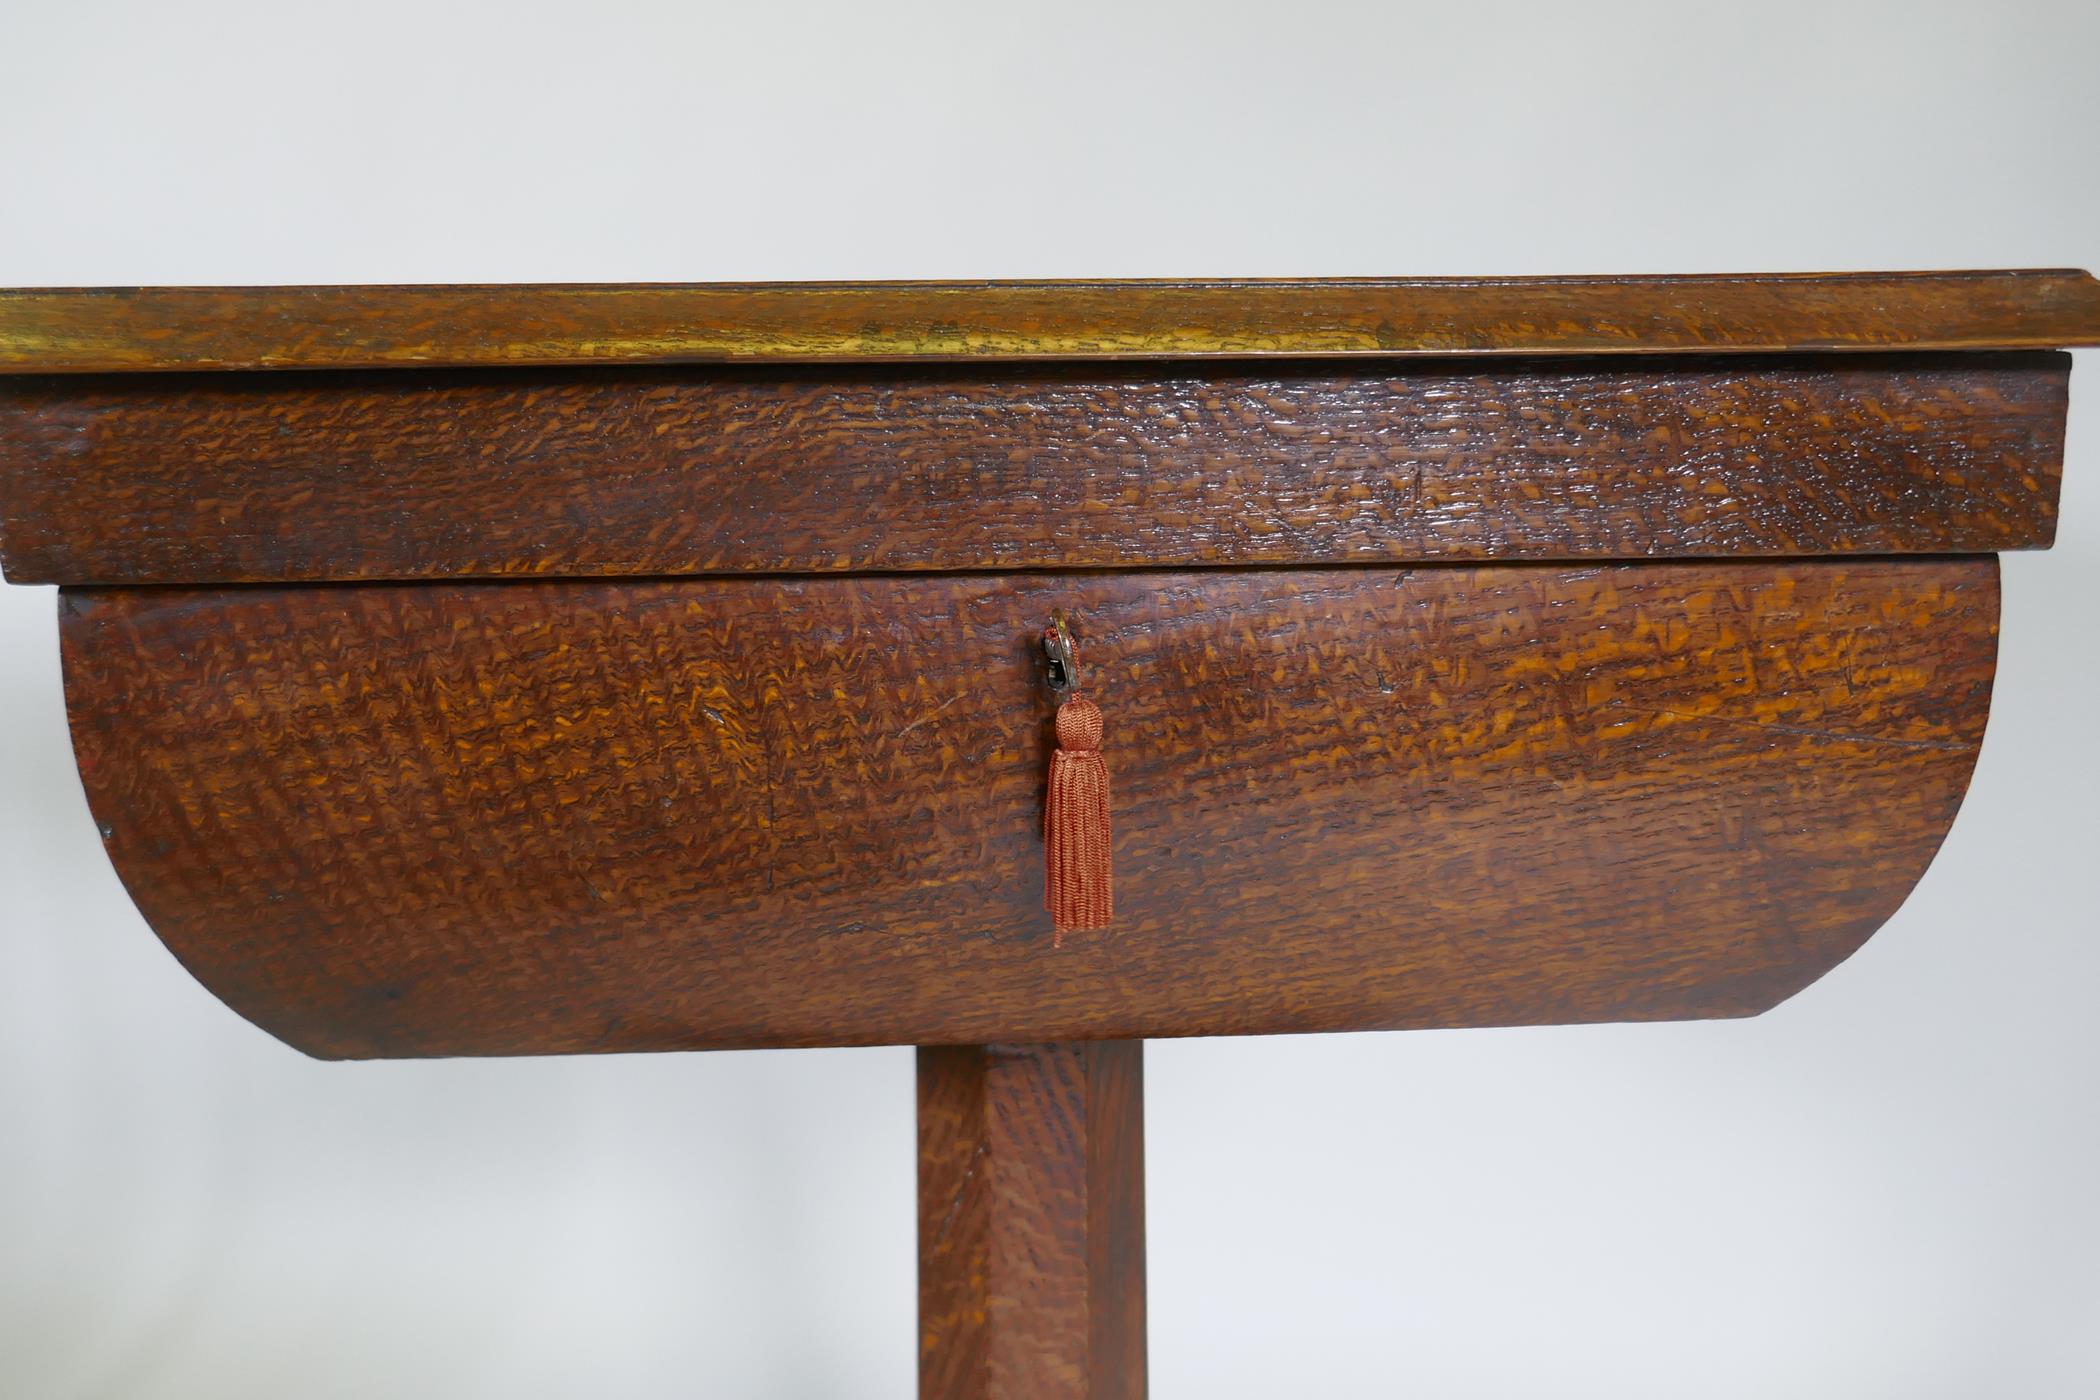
pixel 1078 885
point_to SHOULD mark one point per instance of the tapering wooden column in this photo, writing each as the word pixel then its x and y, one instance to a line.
pixel 1032 1222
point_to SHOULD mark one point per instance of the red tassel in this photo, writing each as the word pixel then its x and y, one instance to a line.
pixel 1075 824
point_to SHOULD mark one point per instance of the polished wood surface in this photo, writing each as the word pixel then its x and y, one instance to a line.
pixel 1032 1222
pixel 529 670
pixel 154 328
pixel 444 819
pixel 273 478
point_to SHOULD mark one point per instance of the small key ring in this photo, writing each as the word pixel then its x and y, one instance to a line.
pixel 1060 655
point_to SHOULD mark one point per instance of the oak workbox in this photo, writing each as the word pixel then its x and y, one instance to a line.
pixel 525 670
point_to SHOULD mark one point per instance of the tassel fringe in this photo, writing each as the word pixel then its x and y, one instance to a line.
pixel 1076 836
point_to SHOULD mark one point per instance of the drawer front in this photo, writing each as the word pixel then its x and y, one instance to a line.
pixel 488 818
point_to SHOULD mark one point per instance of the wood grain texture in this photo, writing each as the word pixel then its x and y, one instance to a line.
pixel 1032 1222
pixel 149 328
pixel 257 478
pixel 407 820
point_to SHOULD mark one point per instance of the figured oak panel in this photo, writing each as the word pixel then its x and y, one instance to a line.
pixel 138 328
pixel 260 478
pixel 461 819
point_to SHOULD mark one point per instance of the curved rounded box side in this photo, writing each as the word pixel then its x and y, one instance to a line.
pixel 467 819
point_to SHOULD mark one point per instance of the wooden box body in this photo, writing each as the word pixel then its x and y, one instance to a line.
pixel 508 672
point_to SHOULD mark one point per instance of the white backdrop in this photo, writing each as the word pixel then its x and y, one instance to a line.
pixel 1885 1188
